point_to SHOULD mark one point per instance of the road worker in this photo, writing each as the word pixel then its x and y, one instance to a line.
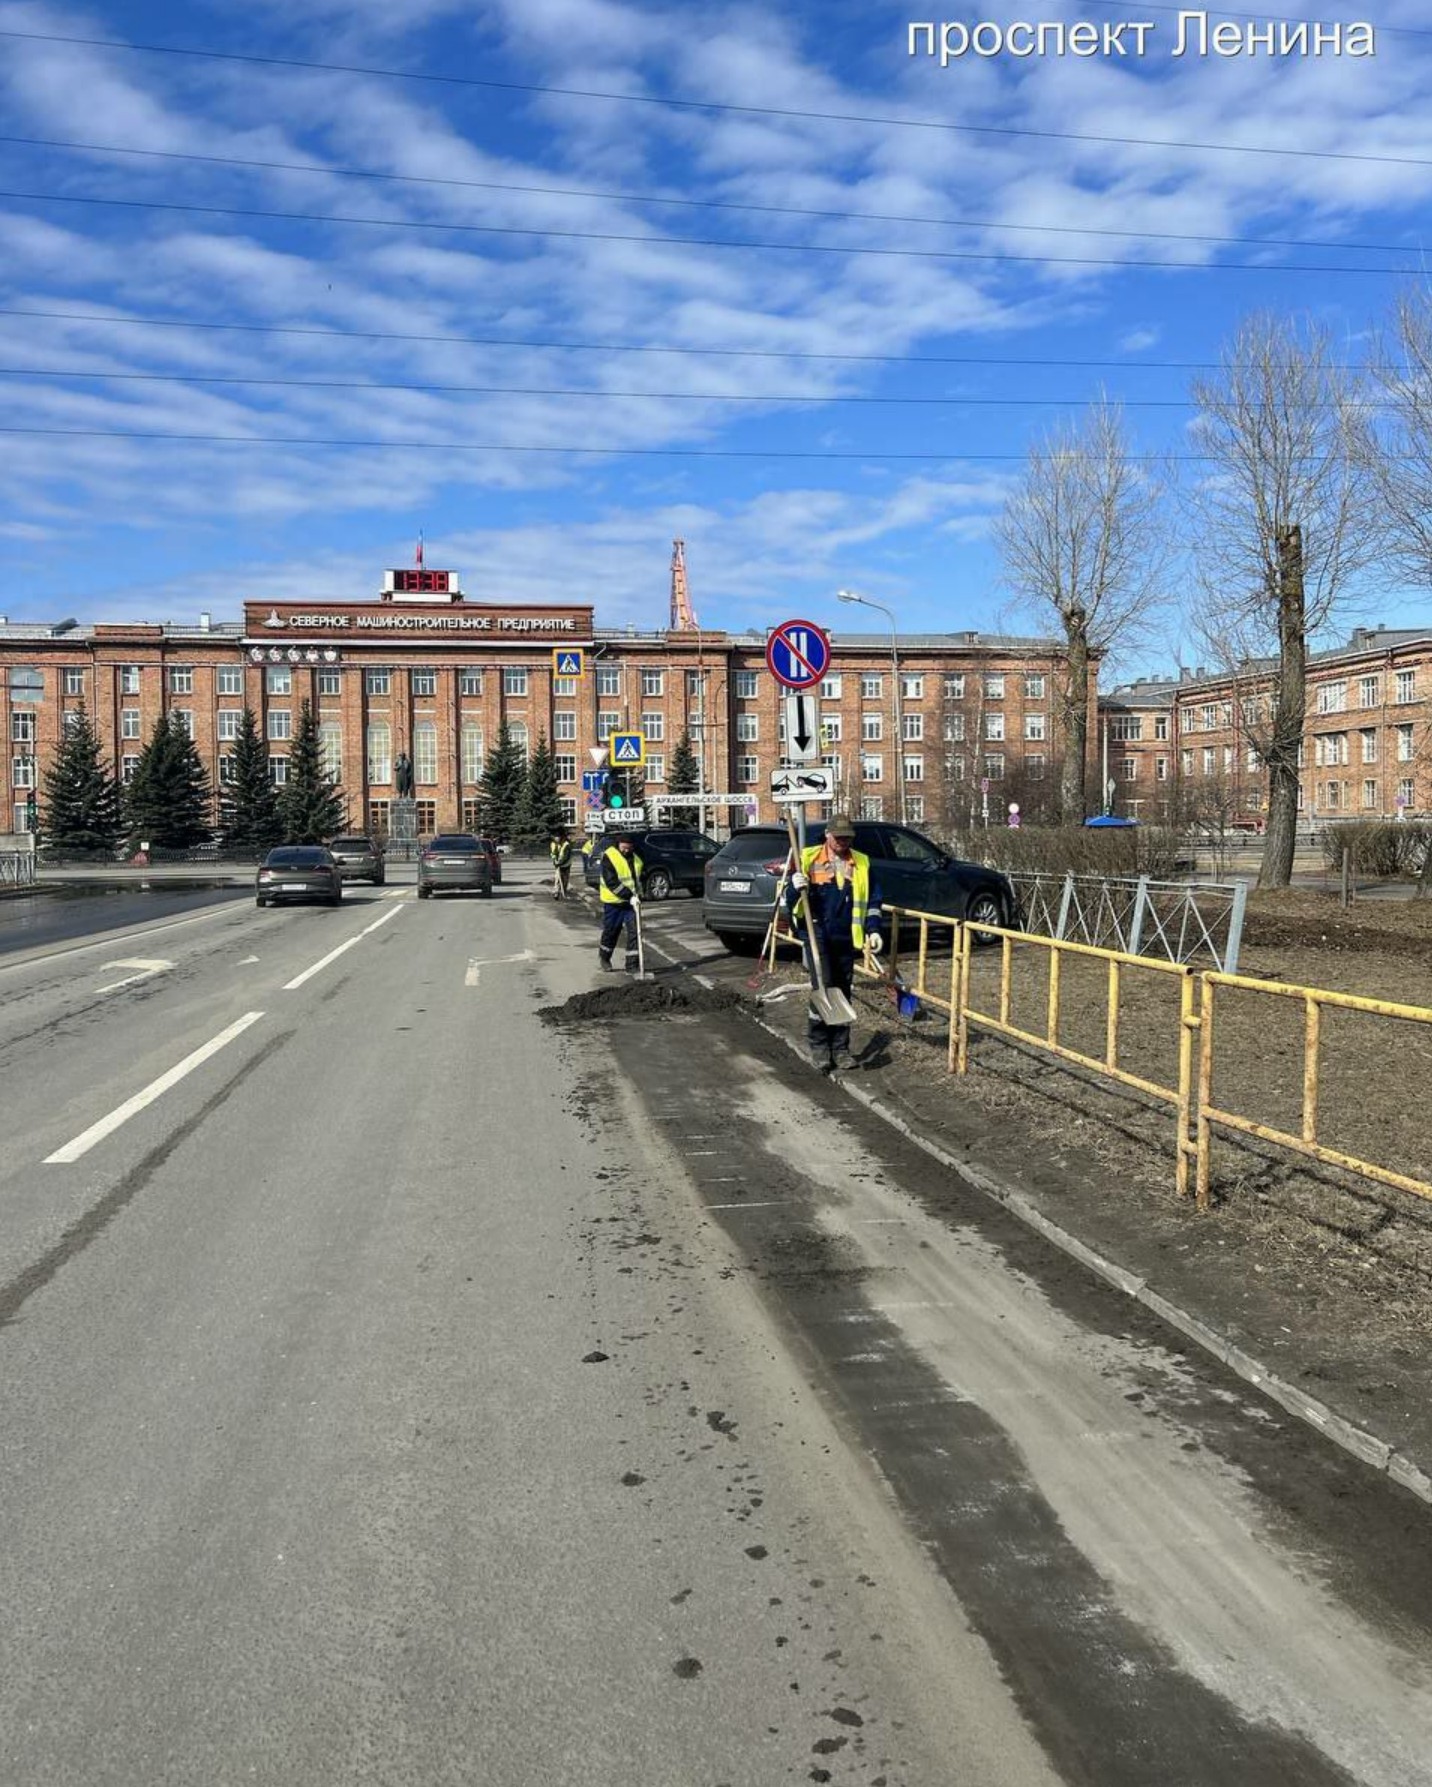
pixel 833 882
pixel 619 895
pixel 560 850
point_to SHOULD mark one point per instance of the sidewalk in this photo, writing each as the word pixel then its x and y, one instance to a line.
pixel 1311 1319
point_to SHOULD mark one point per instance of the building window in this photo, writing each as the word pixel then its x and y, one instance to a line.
pixel 1034 688
pixel 955 768
pixel 830 689
pixel 1034 766
pixel 1161 728
pixel 129 722
pixel 380 747
pixel 517 732
pixel 872 727
pixel 1332 698
pixel 278 680
pixel 871 806
pixel 1369 793
pixel 746 770
pixel 1404 792
pixel 27 685
pixel 1368 735
pixel 471 814
pixel 912 688
pixel 607 724
pixel 469 682
pixel 185 718
pixel 569 811
pixel 378 811
pixel 129 679
pixel 1127 768
pixel 330 682
pixel 376 683
pixel 1208 760
pixel 954 729
pixel 74 682
pixel 653 727
pixel 230 720
pixel 1228 760
pixel 1406 686
pixel 993 766
pixel 564 688
pixel 426 817
pixel 22 772
pixel 1160 769
pixel 994 688
pixel 278 771
pixel 514 680
pixel 915 808
pixel 181 680
pixel 1034 726
pixel 913 727
pixel 954 687
pixel 231 680
pixel 872 687
pixel 471 753
pixel 748 728
pixel 656 768
pixel 69 721
pixel 994 726
pixel 745 685
pixel 1404 744
pixel 127 768
pixel 425 753
pixel 872 769
pixel 609 679
pixel 1332 796
pixel 1125 727
pixel 830 730
pixel 564 725
pixel 1252 762
pixel 565 767
pixel 424 683
pixel 914 769
pixel 228 769
pixel 1207 716
pixel 280 723
pixel 1186 762
pixel 330 749
pixel 1367 691
pixel 653 682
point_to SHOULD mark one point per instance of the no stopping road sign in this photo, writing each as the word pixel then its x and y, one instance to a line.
pixel 798 654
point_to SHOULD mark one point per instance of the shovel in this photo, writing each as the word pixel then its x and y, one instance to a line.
pixel 829 1004
pixel 766 966
pixel 641 973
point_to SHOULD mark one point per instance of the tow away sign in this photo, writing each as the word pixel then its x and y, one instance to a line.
pixel 815 783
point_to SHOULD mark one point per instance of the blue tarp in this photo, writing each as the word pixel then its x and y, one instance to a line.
pixel 1107 819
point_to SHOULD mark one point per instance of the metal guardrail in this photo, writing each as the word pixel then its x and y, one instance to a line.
pixel 1137 916
pixel 17 868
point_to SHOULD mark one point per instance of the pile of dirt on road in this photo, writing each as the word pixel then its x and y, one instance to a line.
pixel 639 999
pixel 1288 918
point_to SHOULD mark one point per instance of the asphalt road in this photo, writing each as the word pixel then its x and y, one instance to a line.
pixel 397 1389
pixel 70 911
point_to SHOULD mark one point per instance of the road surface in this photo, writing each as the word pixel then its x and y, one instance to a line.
pixel 396 1388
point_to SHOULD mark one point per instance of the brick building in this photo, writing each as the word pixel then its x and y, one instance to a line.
pixel 1181 748
pixel 422 670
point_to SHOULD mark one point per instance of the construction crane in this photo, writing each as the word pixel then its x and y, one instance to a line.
pixel 683 616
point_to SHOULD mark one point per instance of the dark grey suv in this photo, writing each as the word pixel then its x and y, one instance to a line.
pixel 359 858
pixel 672 857
pixel 908 869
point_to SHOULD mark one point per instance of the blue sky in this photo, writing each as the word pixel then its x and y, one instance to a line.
pixel 542 289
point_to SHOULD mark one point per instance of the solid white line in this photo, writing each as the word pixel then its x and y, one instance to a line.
pixel 333 954
pixel 156 1089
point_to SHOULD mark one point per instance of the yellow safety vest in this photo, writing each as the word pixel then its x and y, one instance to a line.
pixel 628 871
pixel 860 890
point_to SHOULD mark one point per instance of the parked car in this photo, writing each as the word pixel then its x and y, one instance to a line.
pixel 454 861
pixel 359 858
pixel 908 869
pixel 495 854
pixel 298 872
pixel 672 857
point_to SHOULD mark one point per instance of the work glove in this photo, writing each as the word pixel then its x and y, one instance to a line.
pixel 798 881
pixel 875 943
pixel 636 899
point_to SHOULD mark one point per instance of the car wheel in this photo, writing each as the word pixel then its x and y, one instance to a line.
pixel 658 885
pixel 259 900
pixel 424 892
pixel 337 900
pixel 985 908
pixel 740 943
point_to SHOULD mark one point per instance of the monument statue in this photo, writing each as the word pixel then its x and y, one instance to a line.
pixel 403 774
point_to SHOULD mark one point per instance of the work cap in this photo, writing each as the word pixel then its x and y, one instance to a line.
pixel 840 826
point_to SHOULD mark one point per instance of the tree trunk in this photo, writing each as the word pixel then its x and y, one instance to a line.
pixel 1073 771
pixel 1286 730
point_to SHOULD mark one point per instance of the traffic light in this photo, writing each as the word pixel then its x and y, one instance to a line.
pixel 32 814
pixel 614 796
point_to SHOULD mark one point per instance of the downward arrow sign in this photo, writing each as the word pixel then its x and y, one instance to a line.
pixel 802 727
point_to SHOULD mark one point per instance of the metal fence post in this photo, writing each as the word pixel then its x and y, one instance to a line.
pixel 1136 926
pixel 1235 927
pixel 1066 901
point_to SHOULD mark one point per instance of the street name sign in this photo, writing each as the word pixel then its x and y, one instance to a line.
pixel 802 713
pixel 798 654
pixel 817 783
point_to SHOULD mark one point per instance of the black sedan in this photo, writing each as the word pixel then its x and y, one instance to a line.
pixel 299 872
pixel 457 861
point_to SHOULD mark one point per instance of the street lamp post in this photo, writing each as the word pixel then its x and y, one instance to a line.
pixel 897 706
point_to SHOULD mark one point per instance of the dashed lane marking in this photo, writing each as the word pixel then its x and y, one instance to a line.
pixel 333 954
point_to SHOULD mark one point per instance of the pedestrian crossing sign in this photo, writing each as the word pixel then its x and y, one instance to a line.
pixel 568 662
pixel 628 750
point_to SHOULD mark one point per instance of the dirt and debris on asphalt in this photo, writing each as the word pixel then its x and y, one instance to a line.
pixel 639 999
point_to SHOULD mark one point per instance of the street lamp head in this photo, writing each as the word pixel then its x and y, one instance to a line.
pixel 847 595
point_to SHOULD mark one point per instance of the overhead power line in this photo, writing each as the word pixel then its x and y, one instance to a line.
pixel 652 198
pixel 710 105
pixel 621 347
pixel 527 232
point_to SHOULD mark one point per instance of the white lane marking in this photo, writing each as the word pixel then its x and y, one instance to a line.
pixel 476 964
pixel 768 1204
pixel 245 960
pixel 333 954
pixel 23 959
pixel 473 975
pixel 155 1089
pixel 147 969
pixel 697 1153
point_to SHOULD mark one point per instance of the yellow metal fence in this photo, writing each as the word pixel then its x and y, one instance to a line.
pixel 910 962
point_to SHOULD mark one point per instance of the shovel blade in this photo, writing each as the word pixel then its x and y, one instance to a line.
pixel 831 1006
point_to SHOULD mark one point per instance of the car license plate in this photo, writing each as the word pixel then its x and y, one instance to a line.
pixel 295 887
pixel 735 887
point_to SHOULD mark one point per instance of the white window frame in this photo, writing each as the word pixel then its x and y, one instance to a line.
pixel 747 685
pixel 872 767
pixel 130 721
pixel 230 720
pixel 425 753
pixel 653 683
pixel 872 728
pixel 564 726
pixel 653 727
pixel 278 680
pixel 872 686
pixel 423 684
pixel 830 688
pixel 514 681
pixel 609 679
pixel 748 729
pixel 278 725
pixel 231 680
pixel 1034 727
pixel 181 679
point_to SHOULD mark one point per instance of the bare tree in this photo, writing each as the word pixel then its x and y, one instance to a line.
pixel 1283 522
pixel 1083 543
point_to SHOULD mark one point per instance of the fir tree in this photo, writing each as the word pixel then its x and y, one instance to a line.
pixel 250 800
pixel 685 778
pixel 503 778
pixel 539 812
pixel 81 797
pixel 167 803
pixel 309 809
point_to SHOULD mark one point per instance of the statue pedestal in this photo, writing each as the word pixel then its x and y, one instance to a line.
pixel 403 820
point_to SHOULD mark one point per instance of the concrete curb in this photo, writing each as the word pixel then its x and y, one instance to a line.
pixel 1359 1441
